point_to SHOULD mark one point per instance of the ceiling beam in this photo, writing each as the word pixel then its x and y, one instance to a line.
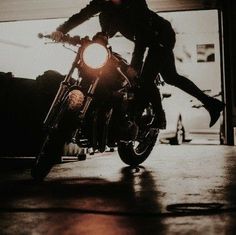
pixel 15 10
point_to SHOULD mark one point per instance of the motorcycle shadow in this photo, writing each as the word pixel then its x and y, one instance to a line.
pixel 134 193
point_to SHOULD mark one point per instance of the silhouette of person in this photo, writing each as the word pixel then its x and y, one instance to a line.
pixel 136 22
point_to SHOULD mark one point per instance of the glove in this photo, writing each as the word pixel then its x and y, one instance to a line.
pixel 100 37
pixel 57 36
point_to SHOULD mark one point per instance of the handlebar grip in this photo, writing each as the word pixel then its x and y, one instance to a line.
pixel 40 35
pixel 65 39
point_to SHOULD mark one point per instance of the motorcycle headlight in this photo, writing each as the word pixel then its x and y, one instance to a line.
pixel 95 55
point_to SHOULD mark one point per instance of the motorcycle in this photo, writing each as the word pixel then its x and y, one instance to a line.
pixel 97 109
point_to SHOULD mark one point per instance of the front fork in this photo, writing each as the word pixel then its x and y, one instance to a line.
pixel 89 98
pixel 54 112
pixel 86 105
pixel 49 121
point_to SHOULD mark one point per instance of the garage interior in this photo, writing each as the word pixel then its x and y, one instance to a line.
pixel 24 11
pixel 184 190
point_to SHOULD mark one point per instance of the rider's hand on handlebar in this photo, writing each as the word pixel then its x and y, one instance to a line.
pixel 101 38
pixel 57 36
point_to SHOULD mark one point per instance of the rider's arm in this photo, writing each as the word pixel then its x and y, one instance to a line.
pixel 94 7
pixel 138 54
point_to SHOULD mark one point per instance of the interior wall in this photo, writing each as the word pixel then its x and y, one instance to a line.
pixel 11 10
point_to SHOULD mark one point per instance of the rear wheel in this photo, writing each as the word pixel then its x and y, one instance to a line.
pixel 137 151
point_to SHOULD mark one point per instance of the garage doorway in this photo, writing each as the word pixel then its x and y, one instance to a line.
pixel 197 54
pixel 198 57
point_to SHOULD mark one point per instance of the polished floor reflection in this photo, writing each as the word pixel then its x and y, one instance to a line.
pixel 178 190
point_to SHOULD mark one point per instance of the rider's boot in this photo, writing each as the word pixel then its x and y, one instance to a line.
pixel 214 107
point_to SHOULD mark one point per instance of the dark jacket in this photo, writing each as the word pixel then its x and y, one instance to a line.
pixel 132 19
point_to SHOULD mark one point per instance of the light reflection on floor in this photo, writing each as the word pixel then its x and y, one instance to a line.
pixel 103 196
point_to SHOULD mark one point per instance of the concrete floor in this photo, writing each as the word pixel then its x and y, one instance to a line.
pixel 189 189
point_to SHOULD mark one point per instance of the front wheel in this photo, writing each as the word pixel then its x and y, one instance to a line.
pixel 49 154
pixel 53 146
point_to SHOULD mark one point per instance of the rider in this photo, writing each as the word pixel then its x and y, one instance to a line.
pixel 136 22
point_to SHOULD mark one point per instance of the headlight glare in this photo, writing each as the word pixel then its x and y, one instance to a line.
pixel 95 55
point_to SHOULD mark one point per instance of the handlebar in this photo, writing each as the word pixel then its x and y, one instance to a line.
pixel 76 40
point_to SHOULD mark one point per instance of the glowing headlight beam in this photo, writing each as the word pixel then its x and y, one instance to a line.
pixel 95 55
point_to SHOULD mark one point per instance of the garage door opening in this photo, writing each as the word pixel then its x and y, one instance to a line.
pixel 197 54
pixel 198 57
